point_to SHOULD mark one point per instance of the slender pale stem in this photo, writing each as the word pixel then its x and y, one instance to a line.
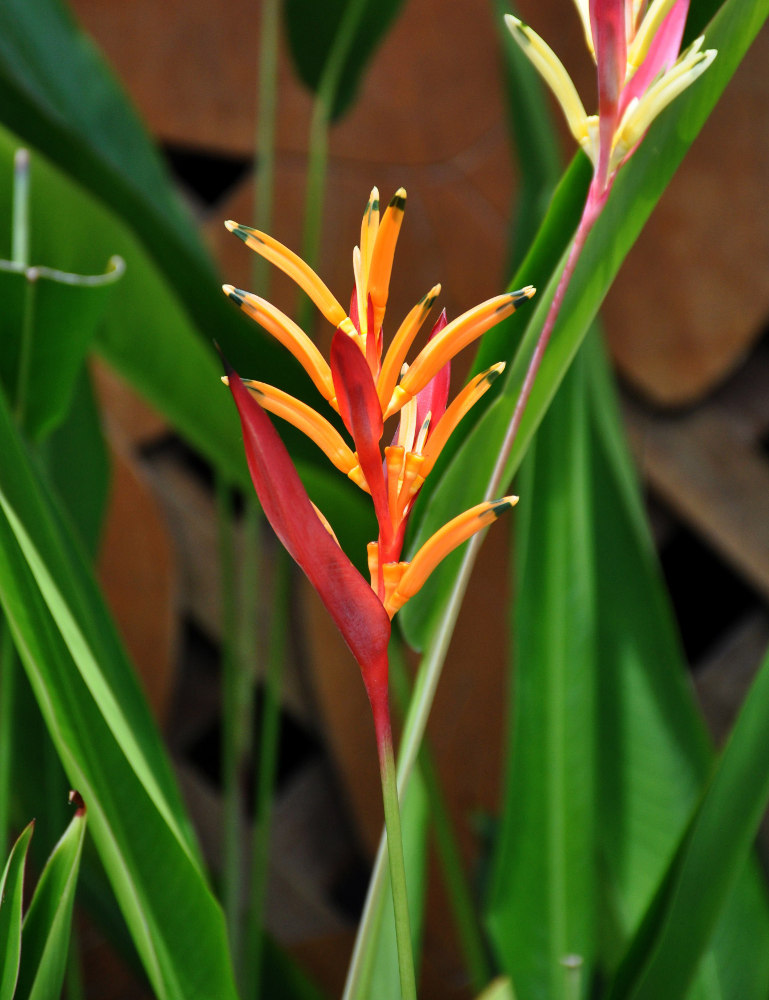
pixel 8 668
pixel 265 768
pixel 317 163
pixel 267 105
pixel 572 966
pixel 592 210
pixel 395 851
pixel 460 898
pixel 20 224
pixel 20 256
pixel 231 812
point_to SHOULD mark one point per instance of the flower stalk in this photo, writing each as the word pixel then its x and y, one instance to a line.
pixel 366 386
pixel 639 72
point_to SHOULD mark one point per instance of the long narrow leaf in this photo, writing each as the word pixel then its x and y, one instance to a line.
pixel 11 899
pixel 48 921
pixel 137 823
pixel 542 896
pixel 653 754
pixel 671 943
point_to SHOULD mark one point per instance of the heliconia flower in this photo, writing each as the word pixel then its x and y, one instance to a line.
pixel 639 69
pixel 365 385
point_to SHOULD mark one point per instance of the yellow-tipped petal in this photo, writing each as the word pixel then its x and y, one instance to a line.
pixel 292 265
pixel 647 29
pixel 307 420
pixel 553 72
pixel 400 344
pixel 451 340
pixel 383 253
pixel 438 546
pixel 641 113
pixel 289 334
pixel 368 230
pixel 467 398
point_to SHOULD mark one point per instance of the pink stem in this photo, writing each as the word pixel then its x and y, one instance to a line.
pixel 596 199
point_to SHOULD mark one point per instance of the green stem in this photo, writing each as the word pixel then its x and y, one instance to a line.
pixel 267 103
pixel 460 898
pixel 266 769
pixel 395 854
pixel 232 809
pixel 7 713
pixel 572 965
pixel 20 256
pixel 20 223
pixel 317 163
pixel 431 667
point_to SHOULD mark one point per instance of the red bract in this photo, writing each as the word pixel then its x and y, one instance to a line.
pixel 639 72
pixel 355 608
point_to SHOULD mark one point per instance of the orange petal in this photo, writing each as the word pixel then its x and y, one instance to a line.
pixel 368 231
pixel 292 265
pixel 467 398
pixel 289 334
pixel 438 546
pixel 400 344
pixel 383 253
pixel 457 335
pixel 307 420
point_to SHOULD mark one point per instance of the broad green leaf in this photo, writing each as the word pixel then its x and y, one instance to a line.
pixel 681 922
pixel 47 924
pixel 58 96
pixel 148 337
pixel 653 754
pixel 542 894
pixel 313 32
pixel 102 190
pixel 78 465
pixel 11 899
pixel 48 323
pixel 637 190
pixel 107 742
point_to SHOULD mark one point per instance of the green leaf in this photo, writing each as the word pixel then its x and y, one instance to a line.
pixel 682 919
pixel 542 892
pixel 313 31
pixel 47 924
pixel 148 337
pixel 58 313
pixel 653 752
pixel 106 740
pixel 102 190
pixel 11 899
pixel 638 188
pixel 78 464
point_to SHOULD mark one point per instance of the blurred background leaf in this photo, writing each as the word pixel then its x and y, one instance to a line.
pixel 312 30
